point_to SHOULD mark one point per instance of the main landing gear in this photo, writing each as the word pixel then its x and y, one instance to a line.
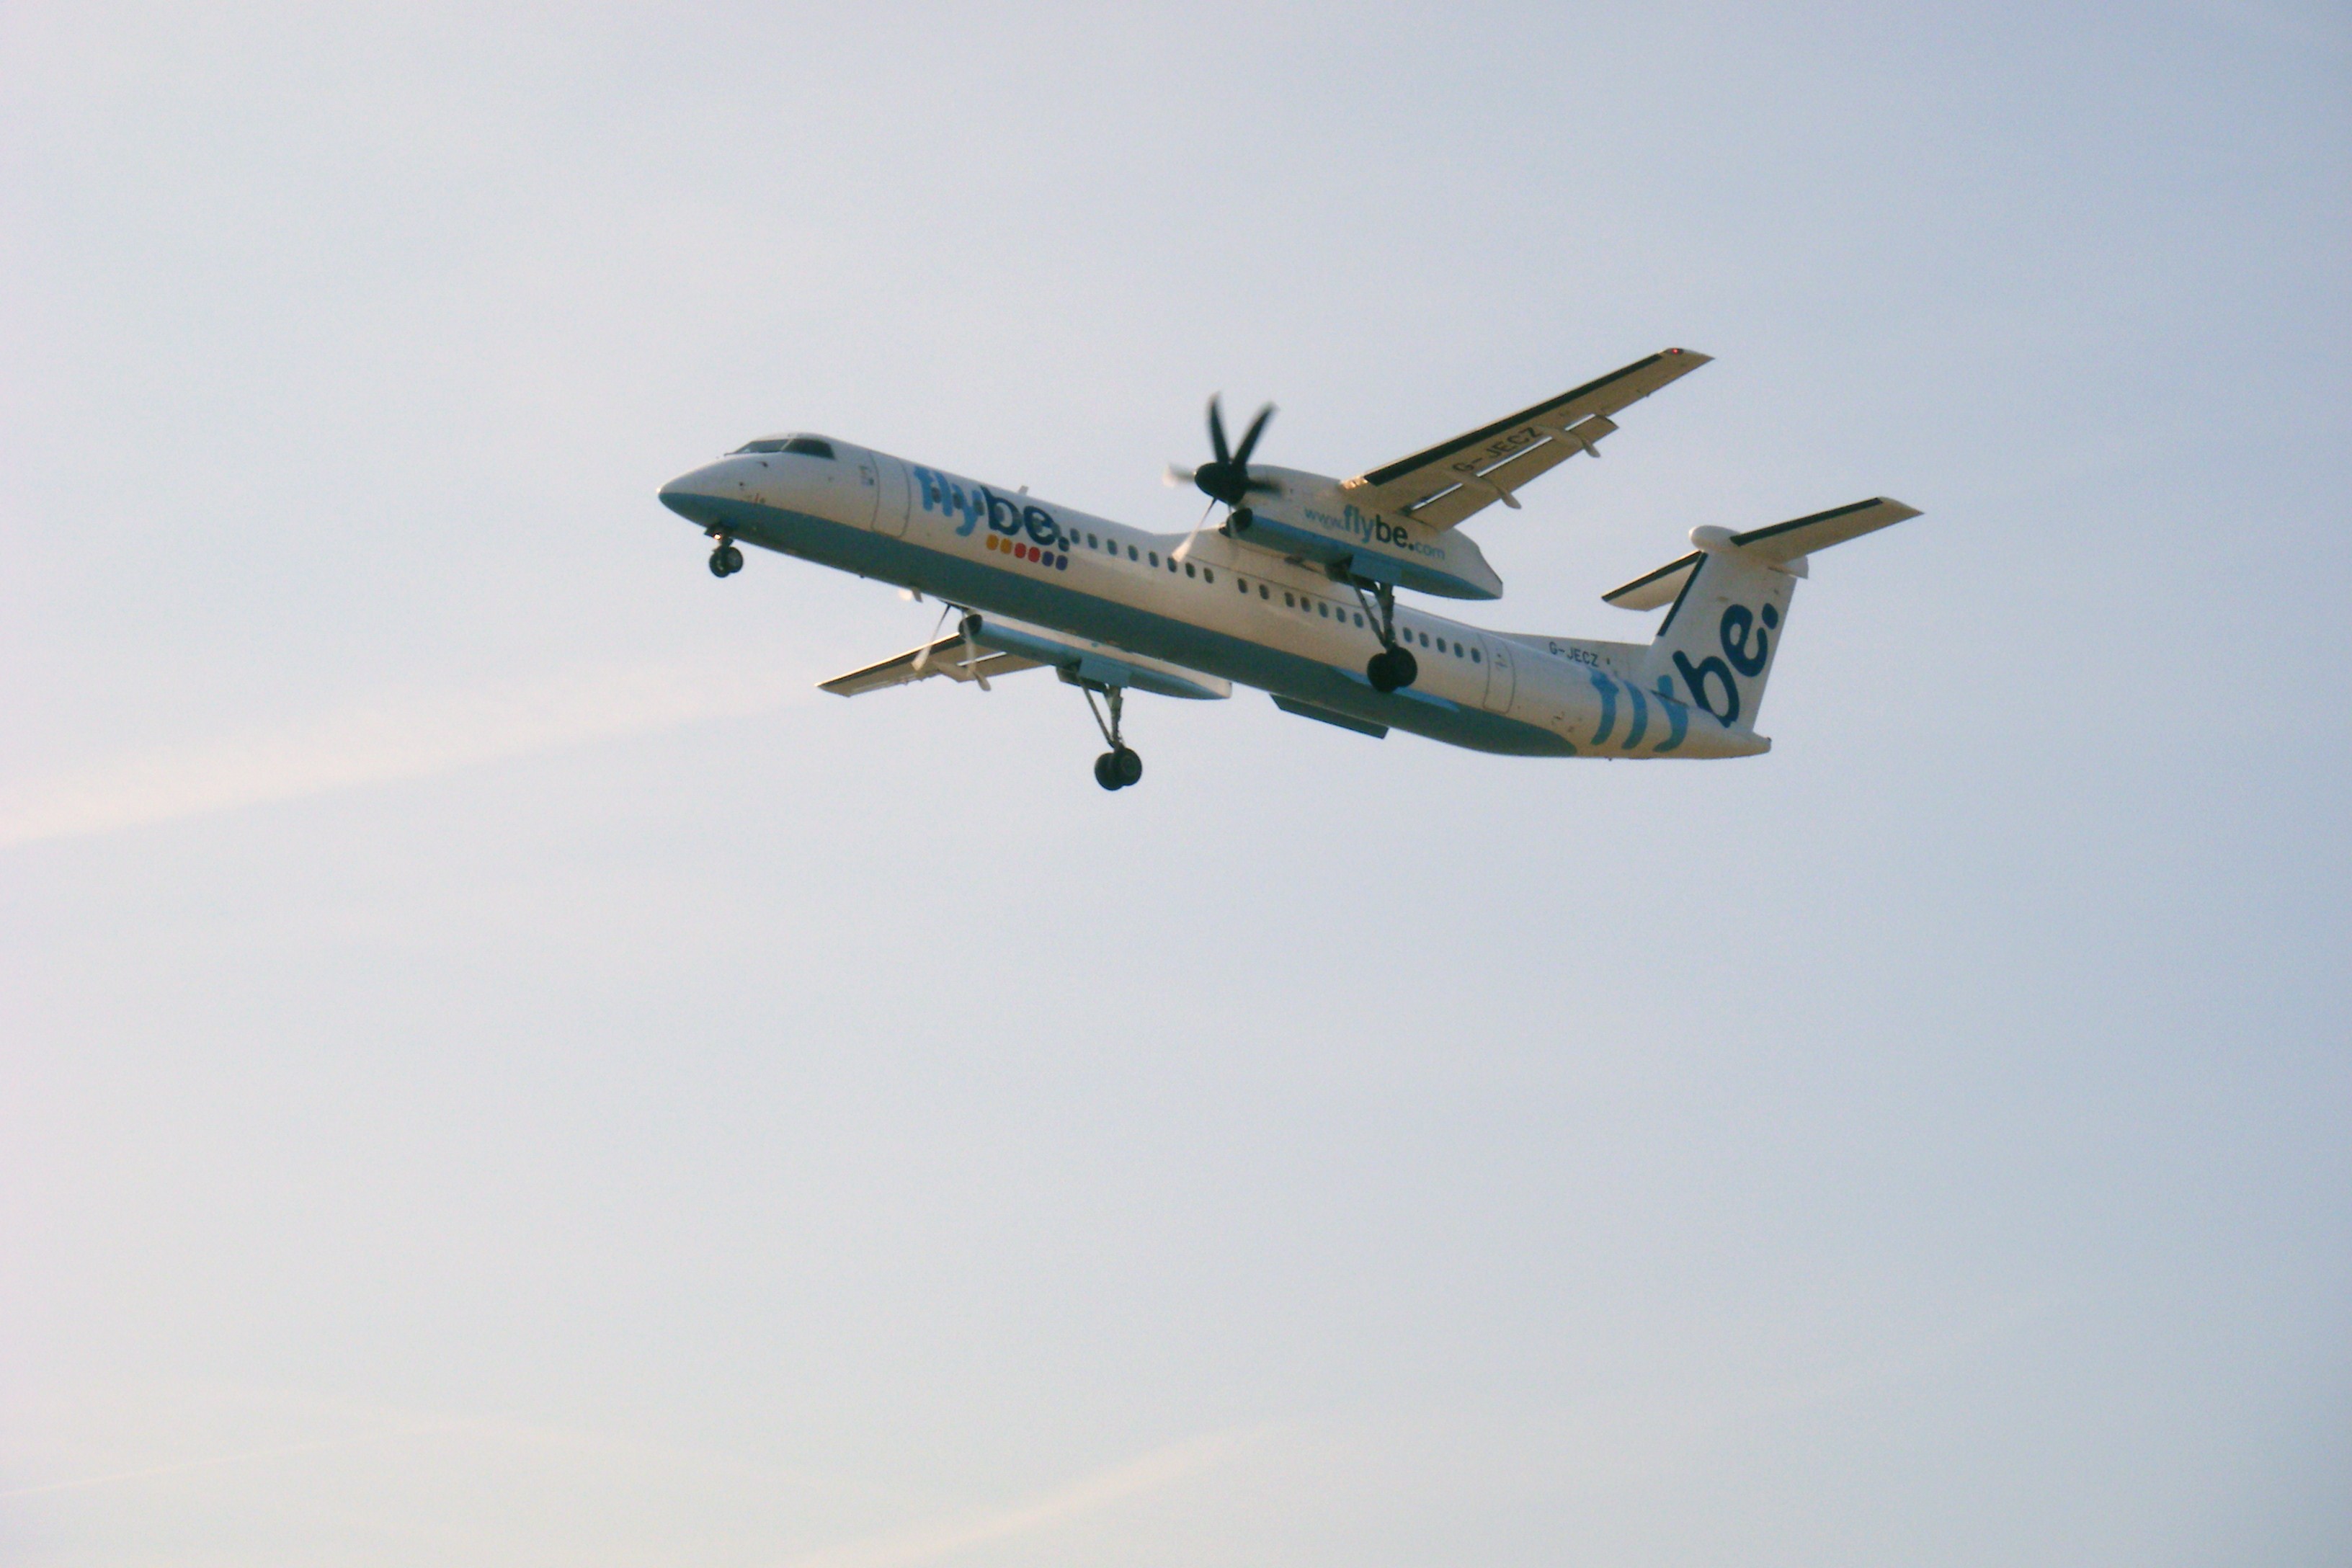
pixel 725 560
pixel 1118 767
pixel 1393 667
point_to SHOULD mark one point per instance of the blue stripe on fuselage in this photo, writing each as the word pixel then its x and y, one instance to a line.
pixel 980 585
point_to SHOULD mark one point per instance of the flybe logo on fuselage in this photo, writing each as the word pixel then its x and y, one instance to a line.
pixel 1011 516
pixel 1373 530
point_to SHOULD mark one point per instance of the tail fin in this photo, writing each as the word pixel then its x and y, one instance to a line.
pixel 1730 601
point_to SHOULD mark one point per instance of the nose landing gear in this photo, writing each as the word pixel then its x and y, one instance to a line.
pixel 726 559
pixel 1118 767
pixel 1393 667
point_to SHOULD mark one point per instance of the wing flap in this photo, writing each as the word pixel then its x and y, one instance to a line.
pixel 1453 480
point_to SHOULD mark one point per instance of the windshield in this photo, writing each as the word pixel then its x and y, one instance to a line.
pixel 806 446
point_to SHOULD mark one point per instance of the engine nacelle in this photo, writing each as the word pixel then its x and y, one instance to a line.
pixel 1310 518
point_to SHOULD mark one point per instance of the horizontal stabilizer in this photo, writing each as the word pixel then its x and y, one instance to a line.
pixel 1652 589
pixel 1779 545
pixel 1785 541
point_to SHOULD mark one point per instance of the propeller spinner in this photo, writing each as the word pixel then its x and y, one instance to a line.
pixel 1226 478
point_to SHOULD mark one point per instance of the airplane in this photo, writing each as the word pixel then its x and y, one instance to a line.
pixel 1295 589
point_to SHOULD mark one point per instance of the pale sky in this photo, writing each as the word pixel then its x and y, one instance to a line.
pixel 499 1069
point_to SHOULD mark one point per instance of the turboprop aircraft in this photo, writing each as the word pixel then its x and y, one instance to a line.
pixel 1295 590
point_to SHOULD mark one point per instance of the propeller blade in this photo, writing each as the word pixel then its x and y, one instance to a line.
pixel 971 654
pixel 1217 435
pixel 923 655
pixel 1184 552
pixel 1176 478
pixel 1249 438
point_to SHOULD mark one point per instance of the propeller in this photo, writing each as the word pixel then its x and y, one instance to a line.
pixel 1226 477
pixel 923 654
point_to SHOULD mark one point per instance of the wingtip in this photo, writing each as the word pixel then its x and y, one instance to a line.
pixel 1691 358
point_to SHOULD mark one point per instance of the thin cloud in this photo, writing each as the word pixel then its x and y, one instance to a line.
pixel 214 1461
pixel 926 1543
pixel 384 743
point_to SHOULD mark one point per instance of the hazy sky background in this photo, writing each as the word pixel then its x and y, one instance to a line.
pixel 499 1069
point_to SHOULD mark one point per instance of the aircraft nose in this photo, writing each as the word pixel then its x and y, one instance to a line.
pixel 691 495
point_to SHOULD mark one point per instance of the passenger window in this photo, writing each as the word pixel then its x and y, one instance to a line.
pixel 1359 618
pixel 1262 593
pixel 1130 553
pixel 1207 575
pixel 1285 601
pixel 1188 569
pixel 1322 609
pixel 1243 585
pixel 1092 542
pixel 1474 656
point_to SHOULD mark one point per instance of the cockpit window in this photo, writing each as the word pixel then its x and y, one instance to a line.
pixel 806 446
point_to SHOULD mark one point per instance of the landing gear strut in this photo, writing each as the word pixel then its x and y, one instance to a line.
pixel 1118 767
pixel 725 560
pixel 1393 667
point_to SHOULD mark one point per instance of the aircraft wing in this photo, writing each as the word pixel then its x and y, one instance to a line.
pixel 1454 479
pixel 947 657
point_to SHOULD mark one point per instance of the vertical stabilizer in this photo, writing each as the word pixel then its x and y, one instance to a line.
pixel 1714 647
pixel 1730 597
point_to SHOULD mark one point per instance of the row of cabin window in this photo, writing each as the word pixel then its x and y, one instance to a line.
pixel 1290 600
pixel 1302 602
pixel 1206 574
pixel 1094 543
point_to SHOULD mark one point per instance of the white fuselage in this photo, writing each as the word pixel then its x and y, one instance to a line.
pixel 1260 616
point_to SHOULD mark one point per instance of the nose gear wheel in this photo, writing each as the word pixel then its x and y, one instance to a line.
pixel 726 559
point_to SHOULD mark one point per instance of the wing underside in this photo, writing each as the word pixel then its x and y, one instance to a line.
pixel 948 656
pixel 1452 480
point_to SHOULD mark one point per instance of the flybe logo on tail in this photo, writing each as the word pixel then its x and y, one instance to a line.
pixel 1746 653
pixel 1005 515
